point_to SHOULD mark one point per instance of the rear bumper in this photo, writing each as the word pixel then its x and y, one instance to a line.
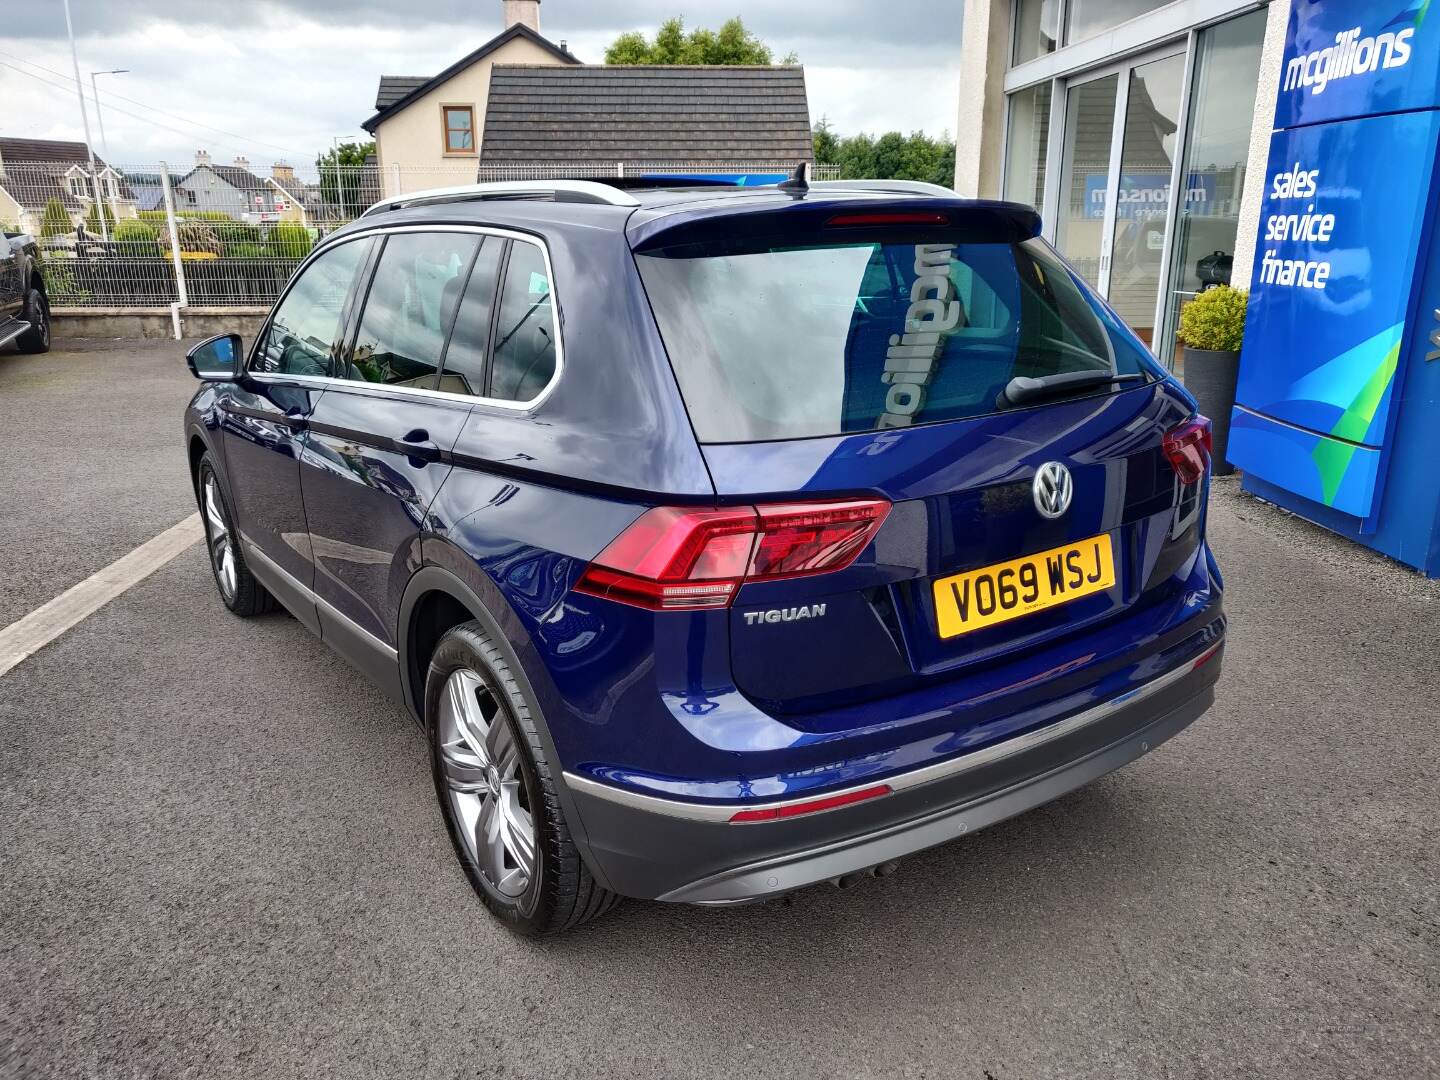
pixel 690 852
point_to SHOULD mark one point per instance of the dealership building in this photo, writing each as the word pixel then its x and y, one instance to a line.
pixel 1104 113
pixel 1289 148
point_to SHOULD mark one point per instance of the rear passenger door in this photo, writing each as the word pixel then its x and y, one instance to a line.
pixel 379 437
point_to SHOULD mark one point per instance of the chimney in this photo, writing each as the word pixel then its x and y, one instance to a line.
pixel 202 157
pixel 524 12
pixel 282 172
pixel 242 162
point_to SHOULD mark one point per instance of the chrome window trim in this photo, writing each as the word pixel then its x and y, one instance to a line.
pixel 415 392
pixel 1030 740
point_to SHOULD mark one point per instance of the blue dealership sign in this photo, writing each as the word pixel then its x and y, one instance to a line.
pixel 1351 58
pixel 1343 268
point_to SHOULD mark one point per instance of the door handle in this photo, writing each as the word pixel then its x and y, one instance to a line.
pixel 417 446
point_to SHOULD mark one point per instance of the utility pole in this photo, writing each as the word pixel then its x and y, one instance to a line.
pixel 100 121
pixel 85 121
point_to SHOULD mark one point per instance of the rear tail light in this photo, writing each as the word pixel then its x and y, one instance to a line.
pixel 1188 448
pixel 678 559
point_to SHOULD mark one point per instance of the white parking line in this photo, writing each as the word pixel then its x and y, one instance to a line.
pixel 46 623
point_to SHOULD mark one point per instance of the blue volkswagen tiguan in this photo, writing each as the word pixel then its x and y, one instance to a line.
pixel 723 540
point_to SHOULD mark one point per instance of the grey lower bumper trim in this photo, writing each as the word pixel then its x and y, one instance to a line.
pixel 977 759
pixel 797 870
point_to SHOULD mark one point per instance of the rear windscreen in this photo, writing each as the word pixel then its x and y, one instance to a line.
pixel 792 342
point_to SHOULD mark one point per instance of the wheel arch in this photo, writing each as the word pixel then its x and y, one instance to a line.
pixel 435 590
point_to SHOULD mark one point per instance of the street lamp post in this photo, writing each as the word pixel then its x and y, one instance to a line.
pixel 100 121
pixel 85 122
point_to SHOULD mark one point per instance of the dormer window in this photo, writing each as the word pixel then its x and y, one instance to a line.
pixel 78 187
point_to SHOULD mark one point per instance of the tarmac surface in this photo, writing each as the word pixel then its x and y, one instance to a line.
pixel 220 854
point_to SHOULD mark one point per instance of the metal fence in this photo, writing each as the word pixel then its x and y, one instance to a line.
pixel 230 235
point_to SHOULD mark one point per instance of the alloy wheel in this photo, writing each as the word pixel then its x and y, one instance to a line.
pixel 222 548
pixel 480 762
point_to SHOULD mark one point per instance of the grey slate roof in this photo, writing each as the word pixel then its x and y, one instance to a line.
pixel 33 172
pixel 737 115
pixel 395 88
pixel 238 178
pixel 387 104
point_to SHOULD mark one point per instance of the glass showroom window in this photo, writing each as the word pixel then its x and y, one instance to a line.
pixel 1037 28
pixel 1086 18
pixel 1213 176
pixel 1025 144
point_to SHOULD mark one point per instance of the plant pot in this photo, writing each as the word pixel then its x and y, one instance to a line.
pixel 1210 376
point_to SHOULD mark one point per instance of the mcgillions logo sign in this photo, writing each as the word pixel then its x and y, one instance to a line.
pixel 1351 54
pixel 911 359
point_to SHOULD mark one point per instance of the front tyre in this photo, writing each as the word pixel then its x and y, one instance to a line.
pixel 497 791
pixel 238 588
pixel 37 314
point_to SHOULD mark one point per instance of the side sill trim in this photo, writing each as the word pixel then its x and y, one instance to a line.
pixel 1030 740
pixel 323 607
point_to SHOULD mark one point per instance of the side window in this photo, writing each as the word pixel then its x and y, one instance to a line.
pixel 465 355
pixel 525 328
pixel 304 327
pixel 409 308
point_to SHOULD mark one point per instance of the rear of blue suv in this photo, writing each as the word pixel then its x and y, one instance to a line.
pixel 835 523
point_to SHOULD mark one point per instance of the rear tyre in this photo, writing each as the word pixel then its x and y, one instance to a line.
pixel 497 792
pixel 37 314
pixel 238 588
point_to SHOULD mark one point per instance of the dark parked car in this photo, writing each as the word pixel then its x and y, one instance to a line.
pixel 24 307
pixel 723 540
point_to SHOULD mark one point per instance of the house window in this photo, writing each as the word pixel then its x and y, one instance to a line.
pixel 79 187
pixel 459 128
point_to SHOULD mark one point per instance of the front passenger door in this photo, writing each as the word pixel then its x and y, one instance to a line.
pixel 377 451
pixel 266 414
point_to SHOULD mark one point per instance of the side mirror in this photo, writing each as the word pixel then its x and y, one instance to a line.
pixel 218 358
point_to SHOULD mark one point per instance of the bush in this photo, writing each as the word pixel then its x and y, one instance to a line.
pixel 246 251
pixel 55 221
pixel 235 234
pixel 196 236
pixel 137 238
pixel 289 240
pixel 1214 320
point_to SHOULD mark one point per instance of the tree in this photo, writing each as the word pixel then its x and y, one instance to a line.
pixel 892 156
pixel 731 44
pixel 827 143
pixel 92 218
pixel 341 175
pixel 55 221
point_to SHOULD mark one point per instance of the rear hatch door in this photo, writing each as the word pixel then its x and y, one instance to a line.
pixel 867 349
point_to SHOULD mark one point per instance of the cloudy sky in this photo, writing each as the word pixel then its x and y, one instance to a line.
pixel 278 80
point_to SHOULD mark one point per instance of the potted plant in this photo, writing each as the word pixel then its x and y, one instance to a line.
pixel 1212 329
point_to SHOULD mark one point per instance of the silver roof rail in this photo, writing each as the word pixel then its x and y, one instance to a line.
pixel 589 191
pixel 899 187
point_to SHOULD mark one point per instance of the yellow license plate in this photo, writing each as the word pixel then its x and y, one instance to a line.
pixel 996 594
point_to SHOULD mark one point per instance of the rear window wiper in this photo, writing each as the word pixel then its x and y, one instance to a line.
pixel 1022 389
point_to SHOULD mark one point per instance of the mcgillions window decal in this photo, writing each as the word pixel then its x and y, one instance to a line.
pixel 912 357
pixel 1351 54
